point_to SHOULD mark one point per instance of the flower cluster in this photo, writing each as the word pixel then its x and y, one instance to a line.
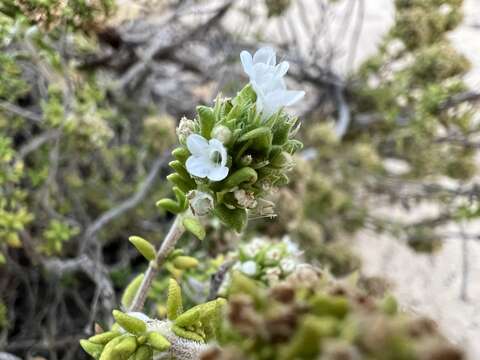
pixel 234 153
pixel 267 261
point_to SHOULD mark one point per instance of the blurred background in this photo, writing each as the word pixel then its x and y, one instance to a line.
pixel 91 92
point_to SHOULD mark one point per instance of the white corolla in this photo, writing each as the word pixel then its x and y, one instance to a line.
pixel 266 78
pixel 208 159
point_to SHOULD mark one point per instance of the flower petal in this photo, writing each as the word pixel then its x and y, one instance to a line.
pixel 198 166
pixel 217 145
pixel 247 62
pixel 218 173
pixel 265 55
pixel 197 145
pixel 282 68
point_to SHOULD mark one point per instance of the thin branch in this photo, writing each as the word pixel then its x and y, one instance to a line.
pixel 343 121
pixel 14 109
pixel 175 232
pixel 126 205
pixel 216 280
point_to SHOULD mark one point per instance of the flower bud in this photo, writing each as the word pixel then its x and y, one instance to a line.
pixel 201 203
pixel 185 128
pixel 222 133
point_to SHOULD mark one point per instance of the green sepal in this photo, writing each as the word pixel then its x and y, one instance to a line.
pixel 188 318
pixel 179 168
pixel 174 300
pixel 158 342
pixel 92 349
pixel 131 291
pixel 181 154
pixel 129 323
pixel 144 352
pixel 255 133
pixel 193 225
pixel 177 330
pixel 243 175
pixel 292 146
pixel 281 132
pixel 206 118
pixel 281 160
pixel 144 247
pixel 185 184
pixel 185 262
pixel 246 96
pixel 104 338
pixel 235 219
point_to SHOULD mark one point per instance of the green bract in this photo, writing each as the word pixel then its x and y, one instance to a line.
pixel 259 156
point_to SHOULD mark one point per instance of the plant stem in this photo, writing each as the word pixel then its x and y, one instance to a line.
pixel 175 232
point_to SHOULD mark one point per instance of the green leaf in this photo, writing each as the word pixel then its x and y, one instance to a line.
pixel 235 219
pixel 170 205
pixel 104 338
pixel 243 175
pixel 255 133
pixel 185 262
pixel 179 168
pixel 181 154
pixel 181 198
pixel 193 225
pixel 174 300
pixel 206 119
pixel 177 330
pixel 92 349
pixel 129 323
pixel 144 352
pixel 131 291
pixel 125 348
pixel 108 352
pixel 185 184
pixel 144 247
pixel 188 318
pixel 158 342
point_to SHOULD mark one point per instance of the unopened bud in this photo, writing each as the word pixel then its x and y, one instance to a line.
pixel 222 133
pixel 185 128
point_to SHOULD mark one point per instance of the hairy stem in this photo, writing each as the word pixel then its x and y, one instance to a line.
pixel 175 232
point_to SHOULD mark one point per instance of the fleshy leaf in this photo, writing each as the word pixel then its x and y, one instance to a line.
pixel 143 247
pixel 129 323
pixel 193 225
pixel 158 342
pixel 131 291
pixel 174 300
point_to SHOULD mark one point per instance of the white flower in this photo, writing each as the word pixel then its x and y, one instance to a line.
pixel 267 80
pixel 208 158
pixel 249 267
